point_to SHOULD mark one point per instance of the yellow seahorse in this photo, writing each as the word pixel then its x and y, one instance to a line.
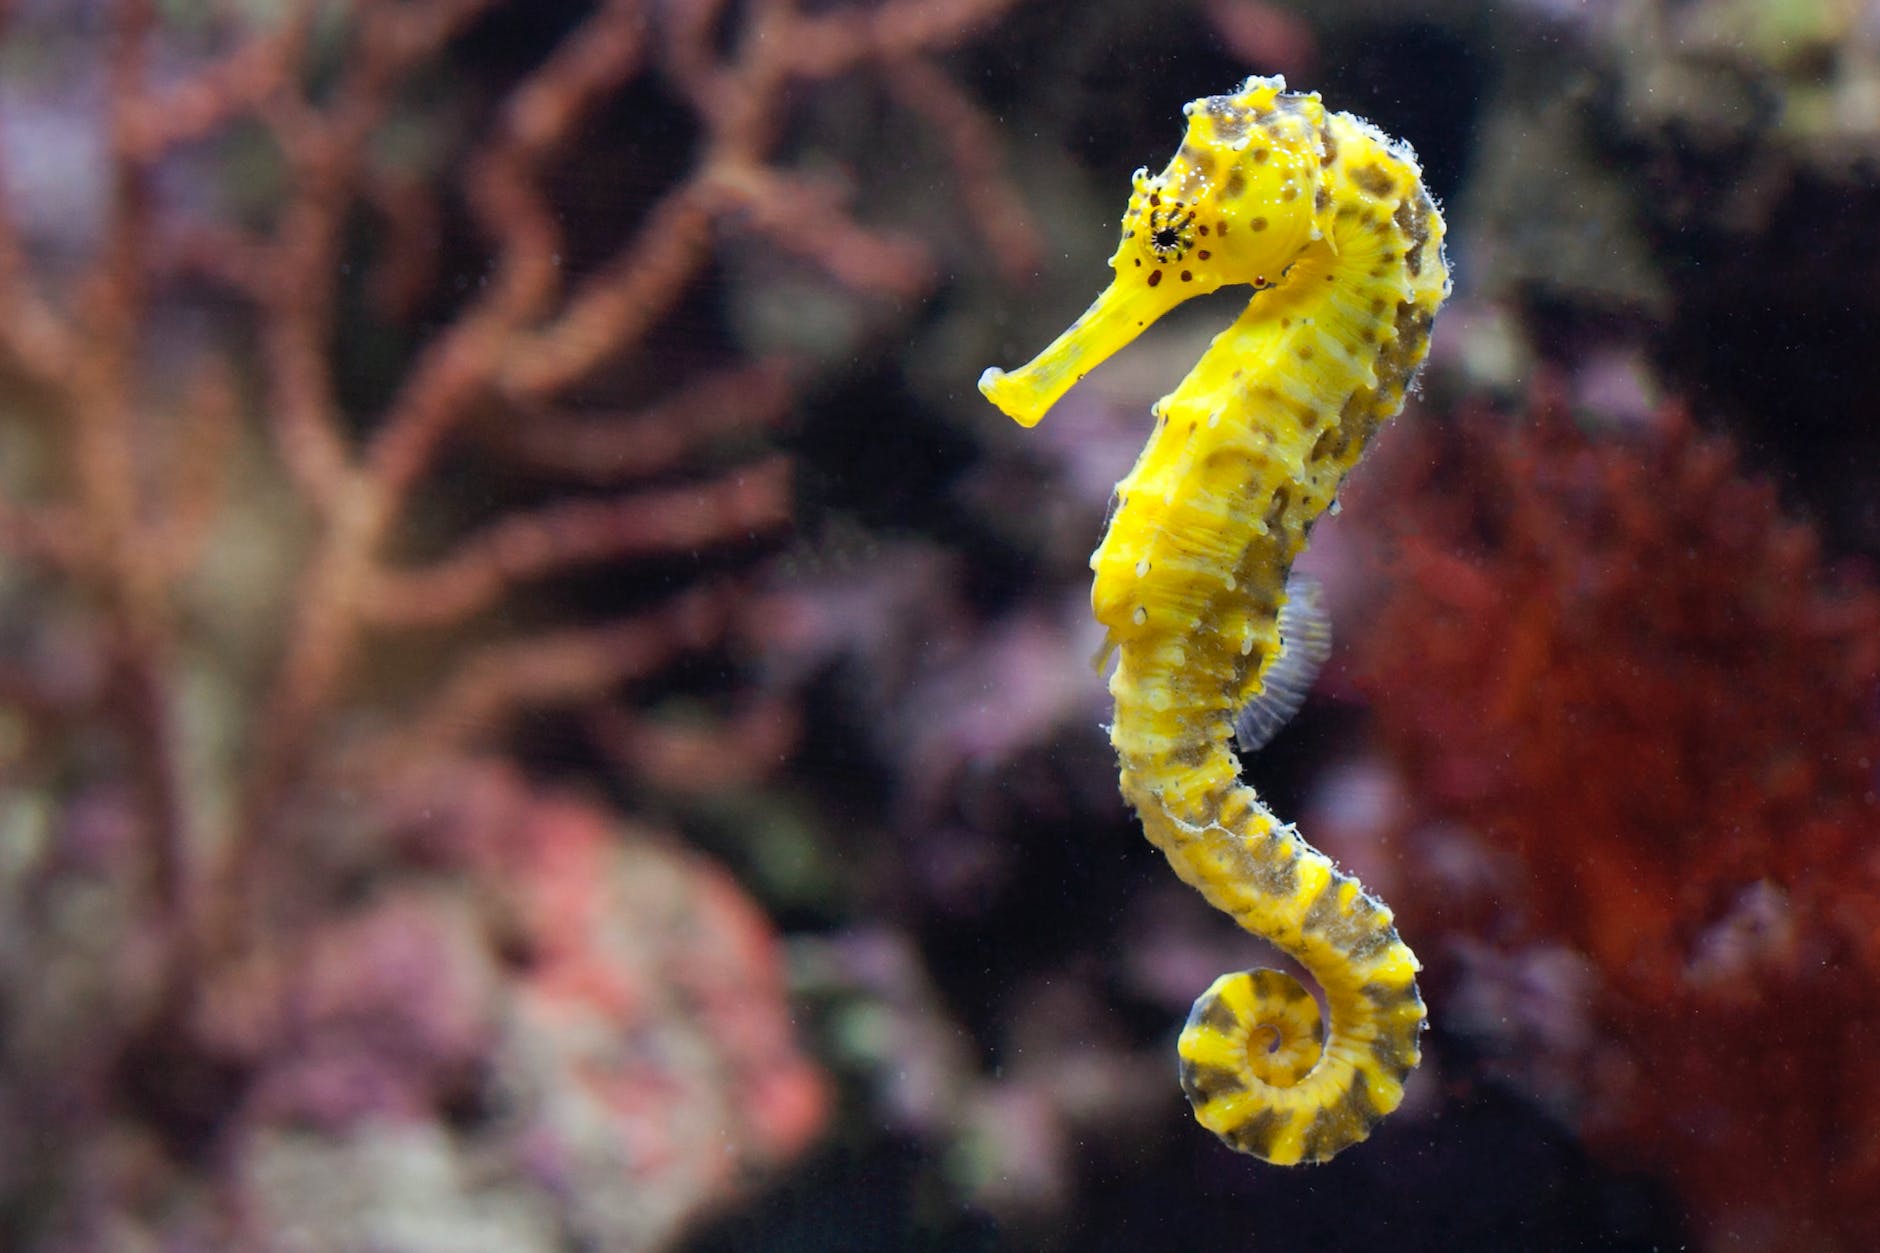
pixel 1329 221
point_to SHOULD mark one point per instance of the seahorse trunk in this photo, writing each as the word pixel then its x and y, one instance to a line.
pixel 1329 220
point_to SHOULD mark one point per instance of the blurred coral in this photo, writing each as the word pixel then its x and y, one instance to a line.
pixel 540 1028
pixel 1619 660
pixel 534 985
pixel 319 396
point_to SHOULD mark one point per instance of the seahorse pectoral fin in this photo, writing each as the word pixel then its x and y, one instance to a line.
pixel 1305 642
pixel 1124 310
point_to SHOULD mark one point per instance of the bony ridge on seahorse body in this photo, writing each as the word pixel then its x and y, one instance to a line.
pixel 1329 222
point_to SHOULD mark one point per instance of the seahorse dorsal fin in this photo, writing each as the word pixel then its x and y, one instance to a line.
pixel 1305 641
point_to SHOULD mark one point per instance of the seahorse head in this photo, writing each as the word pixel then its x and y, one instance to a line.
pixel 1236 205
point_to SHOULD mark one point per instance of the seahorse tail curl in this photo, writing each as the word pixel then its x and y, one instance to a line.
pixel 1257 1067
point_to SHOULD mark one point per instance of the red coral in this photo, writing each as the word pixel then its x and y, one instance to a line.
pixel 1621 660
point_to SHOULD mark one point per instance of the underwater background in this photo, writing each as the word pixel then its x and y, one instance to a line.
pixel 541 710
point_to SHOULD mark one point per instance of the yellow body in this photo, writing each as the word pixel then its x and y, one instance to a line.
pixel 1329 221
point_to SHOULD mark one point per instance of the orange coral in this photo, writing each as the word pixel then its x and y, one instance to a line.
pixel 1623 661
pixel 245 596
pixel 125 506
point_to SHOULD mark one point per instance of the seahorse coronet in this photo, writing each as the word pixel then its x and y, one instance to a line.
pixel 1328 221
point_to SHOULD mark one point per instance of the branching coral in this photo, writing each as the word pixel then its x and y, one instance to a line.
pixel 1621 660
pixel 239 609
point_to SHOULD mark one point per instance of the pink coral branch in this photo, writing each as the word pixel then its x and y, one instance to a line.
pixel 616 305
pixel 617 448
pixel 743 504
pixel 810 219
pixel 363 498
pixel 125 571
pixel 543 112
pixel 534 126
pixel 996 211
pixel 230 858
pixel 566 667
pixel 829 43
pixel 625 296
pixel 196 478
pixel 466 360
pixel 688 31
pixel 216 253
pixel 33 338
pixel 222 91
pixel 327 149
pixel 521 340
pixel 693 758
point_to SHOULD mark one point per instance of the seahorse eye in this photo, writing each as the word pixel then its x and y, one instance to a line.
pixel 1169 239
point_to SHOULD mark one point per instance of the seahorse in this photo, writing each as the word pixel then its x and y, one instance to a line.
pixel 1329 222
